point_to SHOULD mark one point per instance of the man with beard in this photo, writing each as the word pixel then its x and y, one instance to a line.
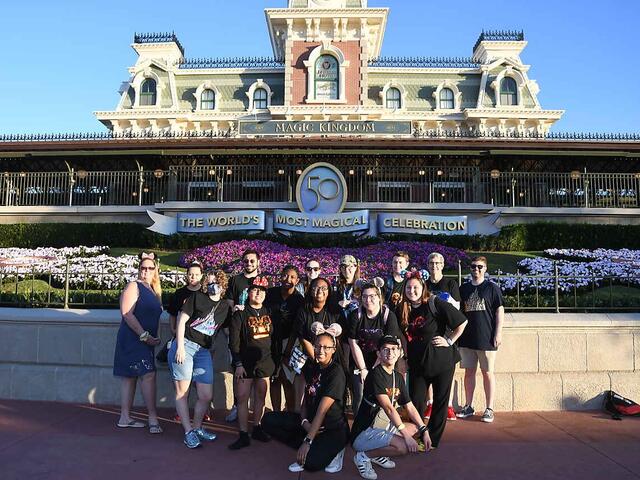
pixel 236 294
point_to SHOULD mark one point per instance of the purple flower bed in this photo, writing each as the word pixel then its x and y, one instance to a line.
pixel 375 259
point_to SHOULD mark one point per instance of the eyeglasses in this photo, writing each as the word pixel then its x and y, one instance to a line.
pixel 370 297
pixel 476 266
pixel 320 289
pixel 436 263
pixel 147 269
pixel 324 348
pixel 312 269
pixel 388 350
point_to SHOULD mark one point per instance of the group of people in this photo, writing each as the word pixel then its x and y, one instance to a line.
pixel 384 343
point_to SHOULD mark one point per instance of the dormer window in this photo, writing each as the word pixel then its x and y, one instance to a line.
pixel 148 92
pixel 508 91
pixel 208 100
pixel 260 99
pixel 446 99
pixel 327 78
pixel 393 99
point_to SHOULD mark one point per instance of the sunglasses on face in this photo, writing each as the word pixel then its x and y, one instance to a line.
pixel 147 269
pixel 475 266
pixel 312 269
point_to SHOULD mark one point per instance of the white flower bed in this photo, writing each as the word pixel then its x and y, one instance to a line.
pixel 89 267
pixel 598 267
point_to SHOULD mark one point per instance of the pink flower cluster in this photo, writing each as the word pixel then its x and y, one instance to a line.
pixel 375 260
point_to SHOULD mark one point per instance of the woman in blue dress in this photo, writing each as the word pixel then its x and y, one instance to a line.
pixel 140 306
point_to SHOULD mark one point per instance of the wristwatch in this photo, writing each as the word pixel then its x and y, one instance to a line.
pixel 449 341
pixel 308 440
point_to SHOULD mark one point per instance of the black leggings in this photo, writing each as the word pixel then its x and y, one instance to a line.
pixel 285 427
pixel 418 386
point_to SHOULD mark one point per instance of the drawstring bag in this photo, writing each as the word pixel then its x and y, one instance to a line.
pixel 618 406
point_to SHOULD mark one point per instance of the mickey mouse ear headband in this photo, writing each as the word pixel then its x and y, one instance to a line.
pixel 422 275
pixel 147 256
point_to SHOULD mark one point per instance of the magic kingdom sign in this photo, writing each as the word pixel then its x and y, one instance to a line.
pixel 286 127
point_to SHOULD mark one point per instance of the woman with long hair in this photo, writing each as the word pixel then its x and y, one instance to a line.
pixel 320 432
pixel 140 307
pixel 201 318
pixel 431 353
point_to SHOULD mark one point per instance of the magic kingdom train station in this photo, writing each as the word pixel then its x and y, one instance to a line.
pixel 401 138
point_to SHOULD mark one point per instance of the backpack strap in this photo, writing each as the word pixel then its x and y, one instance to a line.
pixel 432 305
pixel 385 315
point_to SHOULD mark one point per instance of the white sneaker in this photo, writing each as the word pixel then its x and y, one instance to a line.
pixel 233 415
pixel 363 464
pixel 296 467
pixel 336 464
pixel 384 462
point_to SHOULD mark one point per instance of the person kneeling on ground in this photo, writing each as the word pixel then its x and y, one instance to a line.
pixel 321 432
pixel 378 431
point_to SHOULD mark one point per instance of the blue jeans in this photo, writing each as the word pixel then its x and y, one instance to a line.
pixel 197 365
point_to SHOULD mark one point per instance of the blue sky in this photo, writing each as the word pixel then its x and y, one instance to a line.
pixel 65 59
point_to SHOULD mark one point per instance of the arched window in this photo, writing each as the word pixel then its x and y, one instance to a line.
pixel 394 99
pixel 207 100
pixel 260 99
pixel 508 91
pixel 446 99
pixel 148 92
pixel 327 78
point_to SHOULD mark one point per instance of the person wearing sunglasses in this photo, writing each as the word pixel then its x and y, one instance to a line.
pixel 320 431
pixel 200 319
pixel 312 270
pixel 483 306
pixel 140 307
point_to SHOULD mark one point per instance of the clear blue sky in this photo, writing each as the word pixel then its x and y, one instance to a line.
pixel 64 59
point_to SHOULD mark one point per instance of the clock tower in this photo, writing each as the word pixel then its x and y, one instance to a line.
pixel 326 46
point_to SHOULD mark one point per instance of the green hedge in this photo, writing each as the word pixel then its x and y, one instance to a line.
pixel 523 237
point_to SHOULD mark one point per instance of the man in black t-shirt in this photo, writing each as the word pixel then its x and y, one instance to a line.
pixel 484 308
pixel 378 431
pixel 394 284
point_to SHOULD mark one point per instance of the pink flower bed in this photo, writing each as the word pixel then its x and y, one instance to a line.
pixel 375 259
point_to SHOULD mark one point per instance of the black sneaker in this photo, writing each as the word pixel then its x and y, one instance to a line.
pixel 243 441
pixel 259 434
pixel 466 411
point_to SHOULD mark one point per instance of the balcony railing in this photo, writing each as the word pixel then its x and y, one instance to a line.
pixel 374 184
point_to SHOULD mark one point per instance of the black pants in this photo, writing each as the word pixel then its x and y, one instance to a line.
pixel 418 386
pixel 285 427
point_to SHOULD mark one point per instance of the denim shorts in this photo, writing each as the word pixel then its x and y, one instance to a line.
pixel 197 365
pixel 373 438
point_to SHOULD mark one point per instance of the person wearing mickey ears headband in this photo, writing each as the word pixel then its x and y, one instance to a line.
pixel 378 431
pixel 200 319
pixel 321 431
pixel 253 345
pixel 140 307
pixel 431 353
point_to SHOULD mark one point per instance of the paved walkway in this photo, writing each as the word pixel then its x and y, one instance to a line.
pixel 41 440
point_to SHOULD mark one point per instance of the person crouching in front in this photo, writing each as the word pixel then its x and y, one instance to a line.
pixel 378 431
pixel 321 432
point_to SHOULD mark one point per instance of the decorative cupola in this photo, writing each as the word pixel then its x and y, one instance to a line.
pixel 160 47
pixel 496 44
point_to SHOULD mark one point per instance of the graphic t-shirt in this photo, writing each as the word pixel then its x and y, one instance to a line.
pixel 479 303
pixel 206 318
pixel 378 382
pixel 423 326
pixel 250 337
pixel 367 331
pixel 325 382
pixel 391 286
pixel 238 289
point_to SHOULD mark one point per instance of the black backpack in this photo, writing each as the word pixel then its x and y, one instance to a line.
pixel 618 406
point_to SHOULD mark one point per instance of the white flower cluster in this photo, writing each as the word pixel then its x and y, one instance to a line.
pixel 89 267
pixel 589 268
